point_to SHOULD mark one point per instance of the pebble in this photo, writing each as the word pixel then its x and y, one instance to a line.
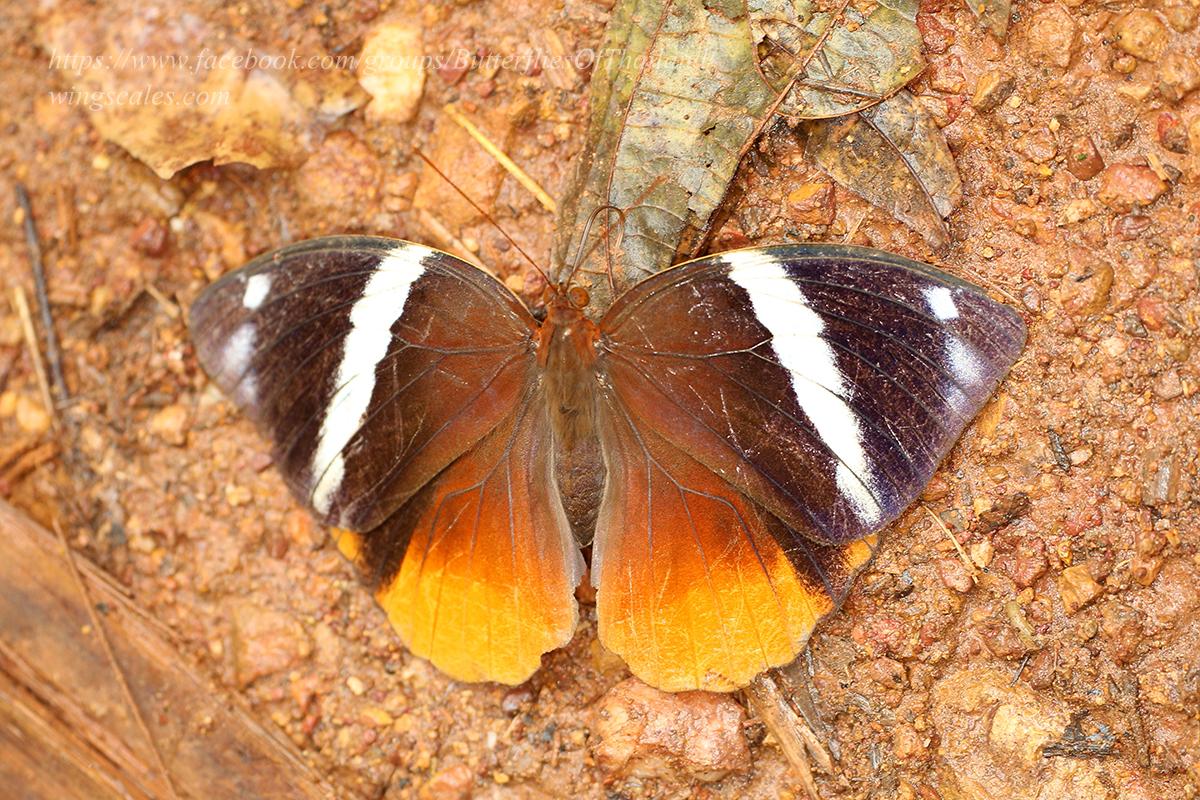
pixel 1086 290
pixel 649 734
pixel 1126 186
pixel 1171 133
pixel 149 237
pixel 1161 476
pixel 31 415
pixel 391 70
pixel 1083 159
pixel 1141 34
pixel 1027 563
pixel 1168 386
pixel 265 642
pixel 170 424
pixel 1038 145
pixel 992 89
pixel 1052 36
pixel 812 204
pixel 450 783
pixel 1178 75
pixel 1077 587
pixel 954 575
pixel 355 685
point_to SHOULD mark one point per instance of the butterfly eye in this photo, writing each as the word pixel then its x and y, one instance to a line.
pixel 578 297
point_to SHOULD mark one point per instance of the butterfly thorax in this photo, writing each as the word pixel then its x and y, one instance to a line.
pixel 567 355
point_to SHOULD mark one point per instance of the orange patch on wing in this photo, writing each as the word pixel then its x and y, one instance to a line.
pixel 349 544
pixel 695 589
pixel 487 582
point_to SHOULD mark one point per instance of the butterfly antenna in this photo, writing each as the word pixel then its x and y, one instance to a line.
pixel 580 253
pixel 485 215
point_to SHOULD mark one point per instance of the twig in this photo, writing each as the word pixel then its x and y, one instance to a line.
pixel 21 303
pixel 448 240
pixel 112 660
pixel 788 727
pixel 1020 669
pixel 971 568
pixel 39 282
pixel 521 175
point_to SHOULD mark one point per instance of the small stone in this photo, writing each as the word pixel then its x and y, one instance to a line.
pixel 907 743
pixel 391 70
pixel 1160 477
pixel 378 717
pixel 1077 587
pixel 355 685
pixel 1168 385
pixel 947 76
pixel 992 89
pixel 450 783
pixel 936 37
pixel 650 734
pixel 1078 210
pixel 812 204
pixel 1126 186
pixel 1171 133
pixel 982 553
pixel 954 575
pixel 1144 569
pixel 1038 145
pixel 170 424
pixel 237 495
pixel 1178 74
pixel 1052 36
pixel 1027 563
pixel 149 237
pixel 265 642
pixel 1083 159
pixel 1141 34
pixel 31 416
pixel 1085 291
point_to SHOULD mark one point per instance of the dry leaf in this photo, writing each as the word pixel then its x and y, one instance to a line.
pixel 896 158
pixel 124 65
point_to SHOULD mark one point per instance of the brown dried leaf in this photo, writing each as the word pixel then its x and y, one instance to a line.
pixel 123 64
pixel 993 15
pixel 874 52
pixel 896 158
pixel 686 96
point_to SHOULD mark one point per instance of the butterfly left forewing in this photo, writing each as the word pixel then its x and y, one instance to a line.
pixel 370 364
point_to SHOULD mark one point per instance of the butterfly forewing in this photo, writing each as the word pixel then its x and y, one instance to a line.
pixel 370 363
pixel 826 382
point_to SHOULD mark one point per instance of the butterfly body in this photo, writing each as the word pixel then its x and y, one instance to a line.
pixel 760 415
pixel 567 353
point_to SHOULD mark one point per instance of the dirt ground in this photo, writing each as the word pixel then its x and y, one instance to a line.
pixel 1076 489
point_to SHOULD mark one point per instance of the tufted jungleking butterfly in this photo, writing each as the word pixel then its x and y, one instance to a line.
pixel 761 414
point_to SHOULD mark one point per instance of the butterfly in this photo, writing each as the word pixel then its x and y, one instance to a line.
pixel 761 415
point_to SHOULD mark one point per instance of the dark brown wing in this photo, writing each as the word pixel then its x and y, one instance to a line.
pixel 370 363
pixel 400 389
pixel 763 413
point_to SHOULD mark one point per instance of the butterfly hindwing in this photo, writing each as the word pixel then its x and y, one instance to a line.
pixel 812 390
